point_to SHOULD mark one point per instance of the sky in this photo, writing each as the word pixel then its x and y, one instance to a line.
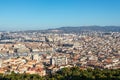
pixel 45 14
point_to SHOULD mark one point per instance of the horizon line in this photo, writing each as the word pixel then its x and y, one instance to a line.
pixel 58 28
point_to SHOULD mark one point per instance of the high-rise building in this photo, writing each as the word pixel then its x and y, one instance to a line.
pixel 58 61
pixel 35 57
pixel 1 61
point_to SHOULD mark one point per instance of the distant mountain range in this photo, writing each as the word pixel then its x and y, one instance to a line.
pixel 87 28
pixel 79 29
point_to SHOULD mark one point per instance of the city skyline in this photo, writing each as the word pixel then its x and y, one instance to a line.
pixel 45 14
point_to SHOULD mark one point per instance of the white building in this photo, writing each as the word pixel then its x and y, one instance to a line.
pixel 58 60
pixel 1 61
pixel 35 57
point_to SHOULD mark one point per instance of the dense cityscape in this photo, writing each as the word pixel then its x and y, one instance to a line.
pixel 33 52
pixel 59 39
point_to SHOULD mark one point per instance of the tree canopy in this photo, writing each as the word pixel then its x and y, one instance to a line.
pixel 74 73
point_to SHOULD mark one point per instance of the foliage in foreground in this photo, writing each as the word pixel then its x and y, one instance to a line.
pixel 74 73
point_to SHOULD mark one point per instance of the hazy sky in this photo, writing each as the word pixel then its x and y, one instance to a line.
pixel 43 14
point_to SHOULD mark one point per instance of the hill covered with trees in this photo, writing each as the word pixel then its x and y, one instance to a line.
pixel 74 73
